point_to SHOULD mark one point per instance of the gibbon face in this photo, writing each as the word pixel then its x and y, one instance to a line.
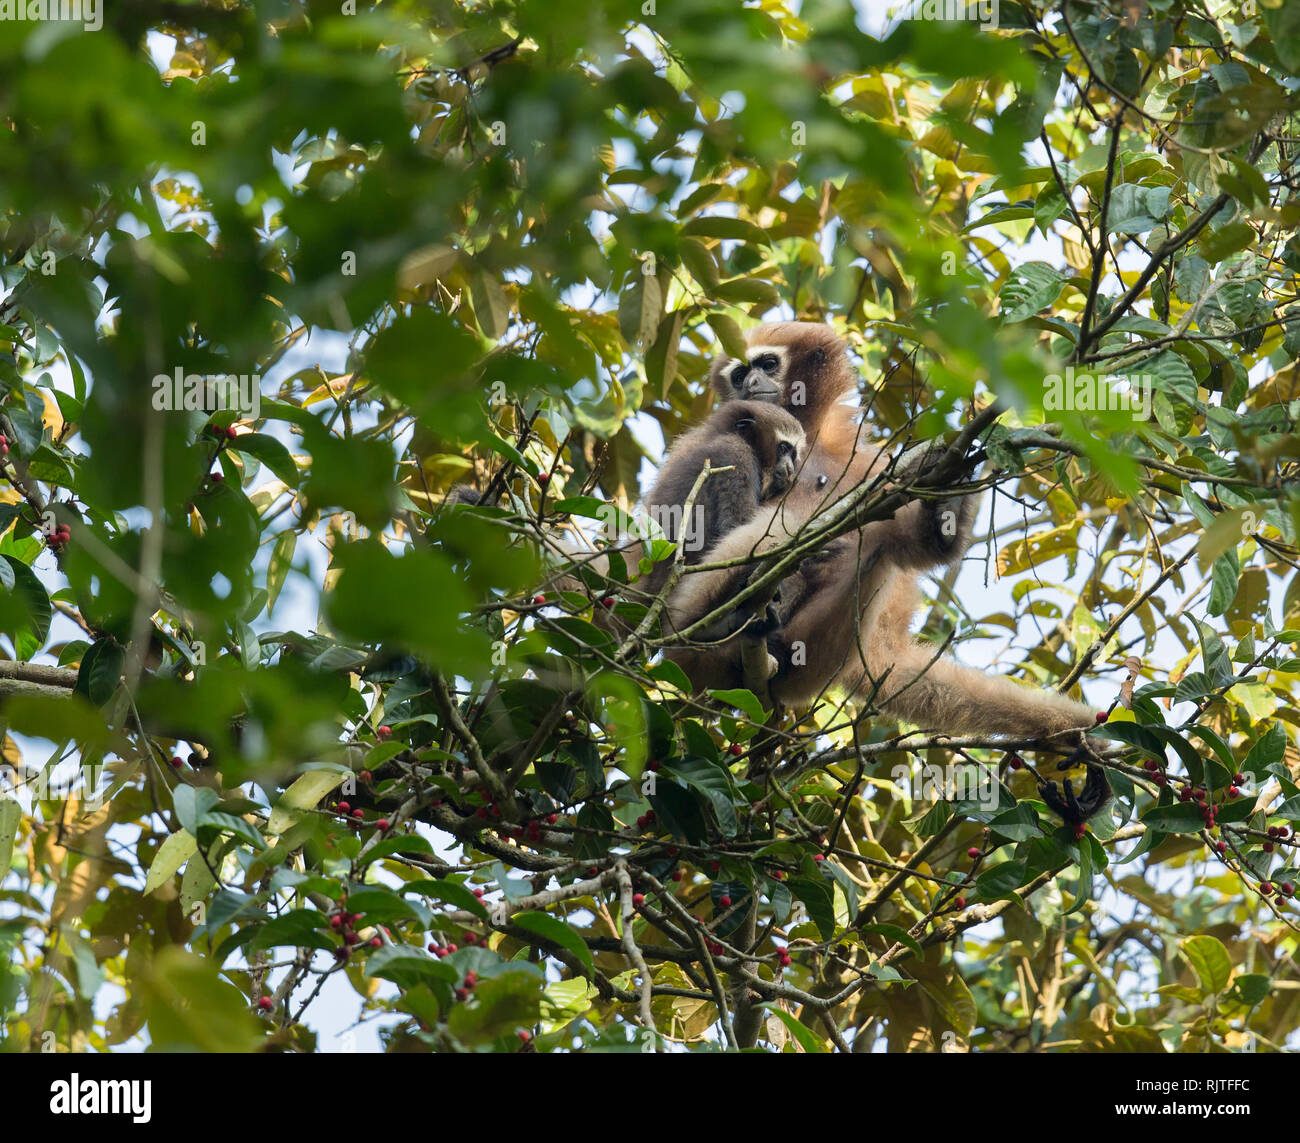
pixel 800 365
pixel 776 438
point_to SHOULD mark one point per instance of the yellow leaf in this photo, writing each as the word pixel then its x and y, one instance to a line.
pixel 305 792
pixel 171 855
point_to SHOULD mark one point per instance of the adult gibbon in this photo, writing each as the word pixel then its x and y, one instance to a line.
pixel 845 615
pixel 757 447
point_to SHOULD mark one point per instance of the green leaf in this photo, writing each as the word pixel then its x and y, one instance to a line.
pixel 806 1038
pixel 11 813
pixel 449 892
pixel 271 453
pixel 101 670
pixel 174 852
pixel 819 899
pixel 1031 286
pixel 296 928
pixel 1210 959
pixel 25 609
pixel 500 1005
pixel 189 1008
pixel 896 935
pixel 191 803
pixel 743 700
pixel 1181 818
pixel 1002 880
pixel 550 929
pixel 278 570
pixel 409 967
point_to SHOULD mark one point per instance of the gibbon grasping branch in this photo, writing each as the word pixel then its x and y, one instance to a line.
pixel 845 614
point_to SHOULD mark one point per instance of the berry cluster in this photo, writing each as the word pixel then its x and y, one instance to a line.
pixel 58 539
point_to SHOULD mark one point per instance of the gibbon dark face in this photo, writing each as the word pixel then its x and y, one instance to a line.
pixel 760 378
pixel 775 439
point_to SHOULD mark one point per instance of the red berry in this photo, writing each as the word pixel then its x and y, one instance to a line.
pixel 653 765
pixel 1160 780
pixel 960 902
pixel 539 599
pixel 382 825
pixel 478 893
pixel 176 762
pixel 358 814
pixel 778 875
pixel 1221 847
pixel 543 478
pixel 350 937
pixel 344 807
pixel 1265 887
pixel 376 942
pixel 1287 888
pixel 336 921
pixel 677 874
pixel 1151 764
pixel 230 432
pixel 1233 791
pixel 434 948
pixel 973 852
pixel 384 731
pixel 641 821
pixel 218 477
pixel 638 899
pixel 265 1003
pixel 1267 847
pixel 365 776
pixel 470 938
pixel 451 947
pixel 736 749
pixel 1184 795
pixel 471 979
pixel 819 857
pixel 592 871
pixel 1239 779
pixel 462 994
pixel 607 602
pixel 481 812
pixel 1016 762
pixel 524 1034
pixel 724 902
pixel 551 819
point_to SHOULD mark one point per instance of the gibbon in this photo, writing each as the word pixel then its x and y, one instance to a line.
pixel 845 615
pixel 758 447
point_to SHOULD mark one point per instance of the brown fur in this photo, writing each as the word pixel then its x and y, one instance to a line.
pixel 846 613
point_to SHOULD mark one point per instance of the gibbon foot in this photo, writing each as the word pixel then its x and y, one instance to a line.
pixel 1076 810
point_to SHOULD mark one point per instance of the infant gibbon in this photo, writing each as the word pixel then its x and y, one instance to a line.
pixel 758 447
